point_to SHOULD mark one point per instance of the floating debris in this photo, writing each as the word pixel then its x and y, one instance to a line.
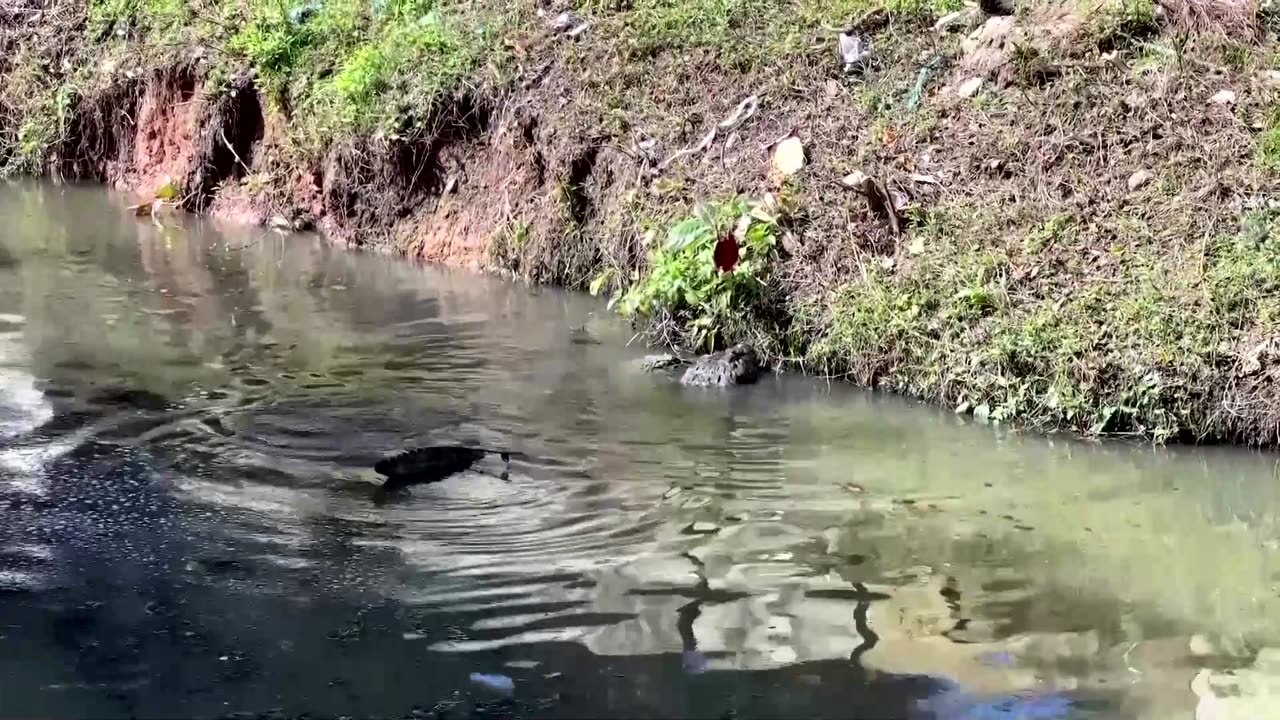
pixel 922 81
pixel 739 115
pixel 569 23
pixel 495 682
pixel 702 528
pixel 854 49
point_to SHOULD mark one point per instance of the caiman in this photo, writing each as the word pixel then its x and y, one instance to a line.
pixel 433 463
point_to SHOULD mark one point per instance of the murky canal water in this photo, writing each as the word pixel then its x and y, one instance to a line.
pixel 189 417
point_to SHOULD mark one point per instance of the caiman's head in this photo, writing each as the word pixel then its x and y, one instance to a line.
pixel 385 466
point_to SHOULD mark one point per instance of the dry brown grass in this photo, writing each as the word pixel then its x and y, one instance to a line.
pixel 1237 19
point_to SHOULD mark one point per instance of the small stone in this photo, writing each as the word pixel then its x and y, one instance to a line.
pixel 1140 178
pixel 1223 97
pixel 948 19
pixel 958 17
pixel 565 21
pixel 969 87
pixel 788 157
pixel 789 242
pixel 1201 645
pixel 703 528
pixel 1271 78
pixel 854 180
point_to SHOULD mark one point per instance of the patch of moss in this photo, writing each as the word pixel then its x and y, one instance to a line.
pixel 1269 144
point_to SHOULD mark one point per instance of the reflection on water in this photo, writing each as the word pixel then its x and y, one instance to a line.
pixel 188 420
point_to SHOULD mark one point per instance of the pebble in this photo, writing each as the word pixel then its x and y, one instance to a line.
pixel 969 87
pixel 1223 97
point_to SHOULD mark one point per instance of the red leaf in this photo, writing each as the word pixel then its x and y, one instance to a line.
pixel 726 252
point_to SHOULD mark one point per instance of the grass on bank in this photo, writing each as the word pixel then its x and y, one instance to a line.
pixel 1144 351
pixel 347 67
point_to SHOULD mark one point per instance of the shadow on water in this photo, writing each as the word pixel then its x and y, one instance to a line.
pixel 189 418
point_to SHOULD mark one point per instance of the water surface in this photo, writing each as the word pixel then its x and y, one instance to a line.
pixel 189 415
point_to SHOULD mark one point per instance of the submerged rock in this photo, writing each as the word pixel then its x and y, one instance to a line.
pixel 739 365
pixel 654 363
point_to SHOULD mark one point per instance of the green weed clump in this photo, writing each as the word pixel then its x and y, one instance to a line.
pixel 683 283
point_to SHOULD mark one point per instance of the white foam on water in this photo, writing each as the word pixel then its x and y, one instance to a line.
pixel 17 580
pixel 27 464
pixel 23 408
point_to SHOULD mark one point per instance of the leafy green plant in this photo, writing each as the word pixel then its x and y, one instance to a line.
pixel 274 44
pixel 684 281
pixel 416 57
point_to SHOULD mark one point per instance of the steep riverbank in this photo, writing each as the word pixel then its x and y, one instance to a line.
pixel 1065 217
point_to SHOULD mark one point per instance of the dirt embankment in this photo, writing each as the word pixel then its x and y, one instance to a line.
pixel 445 197
pixel 1062 215
pixel 163 128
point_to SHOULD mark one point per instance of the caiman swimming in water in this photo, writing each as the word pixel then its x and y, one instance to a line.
pixel 433 463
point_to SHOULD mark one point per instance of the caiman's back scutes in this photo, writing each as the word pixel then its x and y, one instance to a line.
pixel 432 464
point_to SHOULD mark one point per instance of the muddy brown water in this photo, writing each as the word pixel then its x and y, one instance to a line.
pixel 189 415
